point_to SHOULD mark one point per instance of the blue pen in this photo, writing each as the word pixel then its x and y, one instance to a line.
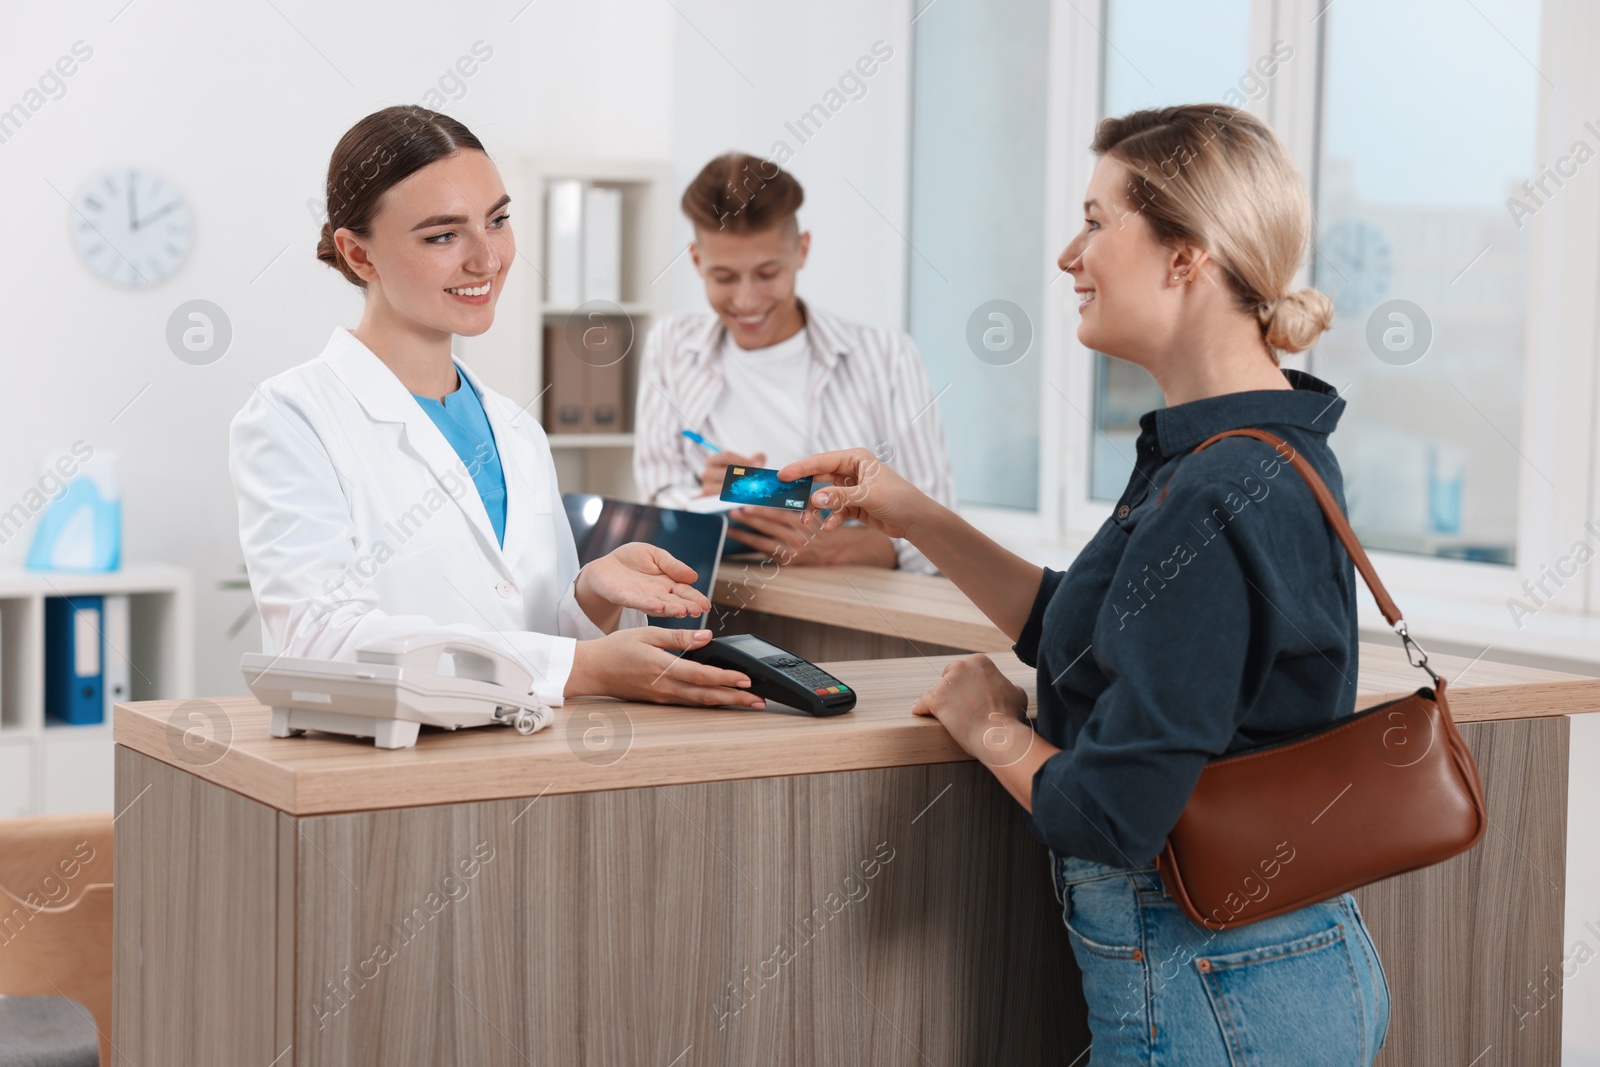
pixel 701 441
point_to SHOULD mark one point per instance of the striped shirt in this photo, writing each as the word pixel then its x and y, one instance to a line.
pixel 869 390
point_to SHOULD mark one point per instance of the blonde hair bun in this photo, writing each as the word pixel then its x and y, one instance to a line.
pixel 1294 321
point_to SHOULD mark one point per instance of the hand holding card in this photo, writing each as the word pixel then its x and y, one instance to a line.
pixel 865 488
pixel 760 487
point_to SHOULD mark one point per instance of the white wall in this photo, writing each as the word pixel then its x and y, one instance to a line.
pixel 742 72
pixel 241 105
pixel 235 105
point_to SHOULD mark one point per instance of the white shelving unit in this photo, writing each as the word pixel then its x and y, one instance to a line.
pixel 48 767
pixel 510 357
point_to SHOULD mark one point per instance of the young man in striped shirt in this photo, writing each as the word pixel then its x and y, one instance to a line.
pixel 771 379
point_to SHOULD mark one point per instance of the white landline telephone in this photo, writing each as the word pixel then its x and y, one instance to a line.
pixel 394 687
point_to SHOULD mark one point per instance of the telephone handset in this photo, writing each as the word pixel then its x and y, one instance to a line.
pixel 473 658
pixel 395 686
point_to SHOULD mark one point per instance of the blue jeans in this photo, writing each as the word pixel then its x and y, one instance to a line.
pixel 1302 988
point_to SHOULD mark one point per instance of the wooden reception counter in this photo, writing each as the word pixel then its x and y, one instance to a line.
pixel 643 885
pixel 851 612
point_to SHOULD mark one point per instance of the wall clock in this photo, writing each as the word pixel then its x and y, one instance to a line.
pixel 1361 266
pixel 131 227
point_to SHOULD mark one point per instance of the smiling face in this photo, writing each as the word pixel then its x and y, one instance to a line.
pixel 1121 272
pixel 750 279
pixel 439 246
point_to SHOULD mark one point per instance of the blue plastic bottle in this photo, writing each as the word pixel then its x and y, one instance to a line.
pixel 80 531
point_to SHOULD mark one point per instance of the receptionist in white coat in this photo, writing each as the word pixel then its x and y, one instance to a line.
pixel 383 488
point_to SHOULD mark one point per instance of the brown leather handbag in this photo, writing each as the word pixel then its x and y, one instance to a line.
pixel 1387 790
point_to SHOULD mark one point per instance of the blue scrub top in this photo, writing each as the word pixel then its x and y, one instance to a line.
pixel 460 418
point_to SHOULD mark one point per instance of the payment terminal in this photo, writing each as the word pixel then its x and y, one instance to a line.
pixel 777 674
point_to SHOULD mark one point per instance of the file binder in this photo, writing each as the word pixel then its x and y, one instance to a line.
pixel 74 679
pixel 563 265
pixel 117 641
pixel 602 244
pixel 587 393
pixel 604 390
pixel 566 403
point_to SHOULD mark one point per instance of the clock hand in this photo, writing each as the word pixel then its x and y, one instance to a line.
pixel 133 205
pixel 173 206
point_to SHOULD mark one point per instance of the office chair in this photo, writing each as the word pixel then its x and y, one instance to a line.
pixel 55 940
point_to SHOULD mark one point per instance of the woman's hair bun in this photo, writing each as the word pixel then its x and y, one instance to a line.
pixel 329 253
pixel 1294 321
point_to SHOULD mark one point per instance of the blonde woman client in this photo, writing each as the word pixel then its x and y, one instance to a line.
pixel 1218 618
pixel 383 488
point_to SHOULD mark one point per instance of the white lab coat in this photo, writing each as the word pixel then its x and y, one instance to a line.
pixel 359 521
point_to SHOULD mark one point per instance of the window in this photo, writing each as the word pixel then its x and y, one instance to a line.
pixel 978 248
pixel 1157 53
pixel 1428 120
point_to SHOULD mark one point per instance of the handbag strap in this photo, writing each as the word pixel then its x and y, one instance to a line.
pixel 1341 527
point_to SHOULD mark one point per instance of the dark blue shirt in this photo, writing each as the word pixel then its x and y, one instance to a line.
pixel 1217 619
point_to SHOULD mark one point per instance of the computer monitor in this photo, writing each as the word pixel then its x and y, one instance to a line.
pixel 601 525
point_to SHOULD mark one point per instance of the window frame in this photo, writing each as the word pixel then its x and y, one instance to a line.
pixel 1561 393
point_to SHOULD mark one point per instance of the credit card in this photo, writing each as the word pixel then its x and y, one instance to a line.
pixel 759 487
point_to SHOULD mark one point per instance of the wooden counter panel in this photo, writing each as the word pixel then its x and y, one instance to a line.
pixel 607 744
pixel 826 644
pixel 595 744
pixel 728 923
pixel 646 855
pixel 634 926
pixel 927 610
pixel 197 913
pixel 1472 947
